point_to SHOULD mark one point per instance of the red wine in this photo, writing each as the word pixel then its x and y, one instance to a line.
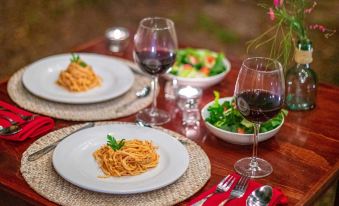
pixel 155 62
pixel 258 105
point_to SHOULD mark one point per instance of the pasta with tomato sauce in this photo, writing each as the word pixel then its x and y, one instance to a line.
pixel 133 158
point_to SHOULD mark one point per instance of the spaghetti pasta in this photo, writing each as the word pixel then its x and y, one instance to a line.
pixel 78 77
pixel 135 157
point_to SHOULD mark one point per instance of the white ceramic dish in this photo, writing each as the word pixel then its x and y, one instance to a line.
pixel 40 79
pixel 201 82
pixel 73 160
pixel 231 137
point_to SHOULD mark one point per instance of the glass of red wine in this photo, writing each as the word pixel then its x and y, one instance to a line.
pixel 259 95
pixel 155 45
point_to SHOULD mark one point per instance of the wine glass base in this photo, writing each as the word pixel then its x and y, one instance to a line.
pixel 246 167
pixel 153 116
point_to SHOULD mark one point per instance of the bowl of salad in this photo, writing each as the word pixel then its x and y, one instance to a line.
pixel 199 67
pixel 223 120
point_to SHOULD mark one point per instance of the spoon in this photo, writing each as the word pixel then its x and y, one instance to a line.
pixel 260 197
pixel 15 127
pixel 144 92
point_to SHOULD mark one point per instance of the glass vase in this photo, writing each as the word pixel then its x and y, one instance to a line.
pixel 301 80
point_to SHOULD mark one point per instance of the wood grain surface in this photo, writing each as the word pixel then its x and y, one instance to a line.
pixel 304 154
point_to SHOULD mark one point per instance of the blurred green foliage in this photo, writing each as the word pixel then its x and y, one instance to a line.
pixel 219 31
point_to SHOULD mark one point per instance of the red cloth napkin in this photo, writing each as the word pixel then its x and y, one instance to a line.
pixel 278 198
pixel 39 126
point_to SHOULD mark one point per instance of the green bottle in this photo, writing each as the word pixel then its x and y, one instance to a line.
pixel 301 80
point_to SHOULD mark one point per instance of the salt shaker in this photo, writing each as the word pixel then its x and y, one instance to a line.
pixel 191 114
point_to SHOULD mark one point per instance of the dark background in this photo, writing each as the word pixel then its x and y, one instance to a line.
pixel 31 30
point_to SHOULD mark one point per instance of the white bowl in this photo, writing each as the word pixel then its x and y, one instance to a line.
pixel 201 82
pixel 231 137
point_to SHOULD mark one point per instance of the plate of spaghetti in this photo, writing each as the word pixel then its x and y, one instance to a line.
pixel 78 78
pixel 120 159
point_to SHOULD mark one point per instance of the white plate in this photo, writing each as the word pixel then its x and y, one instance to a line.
pixel 232 137
pixel 40 79
pixel 201 82
pixel 73 160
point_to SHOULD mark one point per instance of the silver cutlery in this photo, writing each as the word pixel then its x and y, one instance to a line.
pixel 13 122
pixel 15 127
pixel 23 117
pixel 12 129
pixel 36 155
pixel 223 186
pixel 238 190
pixel 260 197
pixel 8 119
pixel 144 92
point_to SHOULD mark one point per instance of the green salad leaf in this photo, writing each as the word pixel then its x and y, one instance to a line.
pixel 225 116
pixel 219 65
pixel 113 143
pixel 198 63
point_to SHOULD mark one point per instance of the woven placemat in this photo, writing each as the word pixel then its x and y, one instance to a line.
pixel 41 176
pixel 80 112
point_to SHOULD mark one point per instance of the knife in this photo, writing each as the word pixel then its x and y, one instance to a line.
pixel 36 155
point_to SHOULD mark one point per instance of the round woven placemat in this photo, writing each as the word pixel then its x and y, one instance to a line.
pixel 41 176
pixel 80 112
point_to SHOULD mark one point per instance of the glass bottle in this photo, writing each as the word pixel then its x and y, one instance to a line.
pixel 301 80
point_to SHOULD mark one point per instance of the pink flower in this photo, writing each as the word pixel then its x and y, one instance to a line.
pixel 278 3
pixel 318 26
pixel 271 14
pixel 327 32
pixel 309 10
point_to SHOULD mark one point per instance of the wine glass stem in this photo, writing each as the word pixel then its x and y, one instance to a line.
pixel 154 88
pixel 254 163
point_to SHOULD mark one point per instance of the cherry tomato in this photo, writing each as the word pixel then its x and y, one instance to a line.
pixel 193 60
pixel 241 130
pixel 205 70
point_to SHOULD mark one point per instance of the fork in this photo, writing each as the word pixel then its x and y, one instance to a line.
pixel 238 190
pixel 8 119
pixel 15 123
pixel 223 186
pixel 23 117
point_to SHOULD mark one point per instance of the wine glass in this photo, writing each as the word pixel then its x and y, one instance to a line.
pixel 155 51
pixel 259 94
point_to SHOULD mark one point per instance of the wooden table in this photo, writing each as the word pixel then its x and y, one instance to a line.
pixel 304 154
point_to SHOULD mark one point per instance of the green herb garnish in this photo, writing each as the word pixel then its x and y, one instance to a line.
pixel 225 116
pixel 76 59
pixel 113 143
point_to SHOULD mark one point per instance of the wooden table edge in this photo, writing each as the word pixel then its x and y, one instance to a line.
pixel 22 196
pixel 311 196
